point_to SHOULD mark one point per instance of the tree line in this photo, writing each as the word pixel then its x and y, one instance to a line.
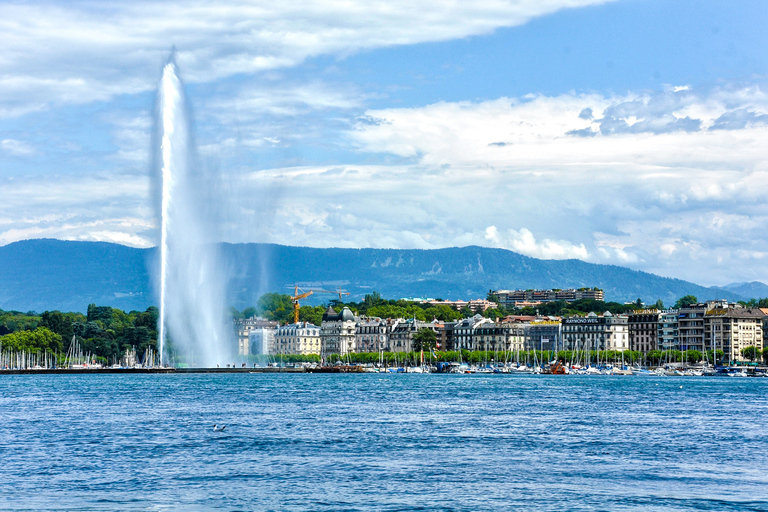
pixel 104 332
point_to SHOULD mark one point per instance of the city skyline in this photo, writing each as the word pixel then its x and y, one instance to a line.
pixel 623 132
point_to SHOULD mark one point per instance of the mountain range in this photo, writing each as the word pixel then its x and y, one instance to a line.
pixel 44 274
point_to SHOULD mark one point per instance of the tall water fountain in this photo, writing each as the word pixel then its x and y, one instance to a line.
pixel 189 280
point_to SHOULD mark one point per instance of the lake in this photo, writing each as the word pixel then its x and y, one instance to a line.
pixel 382 442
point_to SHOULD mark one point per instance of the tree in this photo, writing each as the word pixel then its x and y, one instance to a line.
pixel 659 304
pixel 718 356
pixel 750 352
pixel 276 306
pixel 41 338
pixel 765 354
pixel 424 339
pixel 686 301
pixel 692 356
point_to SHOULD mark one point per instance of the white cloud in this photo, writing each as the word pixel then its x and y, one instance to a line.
pixel 16 147
pixel 79 52
pixel 522 241
pixel 679 203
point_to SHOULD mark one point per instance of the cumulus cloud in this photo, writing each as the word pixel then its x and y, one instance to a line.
pixel 503 172
pixel 523 242
pixel 78 52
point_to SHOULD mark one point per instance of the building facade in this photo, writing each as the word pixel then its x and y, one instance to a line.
pixel 690 321
pixel 371 334
pixel 243 329
pixel 261 340
pixel 301 338
pixel 499 336
pixel 667 331
pixel 510 298
pixel 337 332
pixel 464 332
pixel 401 335
pixel 596 332
pixel 731 328
pixel 543 334
pixel 643 327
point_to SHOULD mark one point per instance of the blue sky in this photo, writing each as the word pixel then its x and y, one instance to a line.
pixel 628 132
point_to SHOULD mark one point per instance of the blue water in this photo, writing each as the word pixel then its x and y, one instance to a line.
pixel 382 442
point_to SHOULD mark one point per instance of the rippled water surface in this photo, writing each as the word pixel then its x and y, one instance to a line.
pixel 382 442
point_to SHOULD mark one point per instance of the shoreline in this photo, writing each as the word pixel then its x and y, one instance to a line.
pixel 88 371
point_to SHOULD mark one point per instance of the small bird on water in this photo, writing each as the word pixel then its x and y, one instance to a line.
pixel 216 428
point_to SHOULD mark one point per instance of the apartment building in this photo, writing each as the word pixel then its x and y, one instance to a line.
pixel 596 332
pixel 301 338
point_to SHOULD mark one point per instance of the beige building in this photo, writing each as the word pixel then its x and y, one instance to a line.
pixel 731 328
pixel 301 338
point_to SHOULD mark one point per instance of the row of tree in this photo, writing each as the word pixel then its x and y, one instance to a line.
pixel 104 332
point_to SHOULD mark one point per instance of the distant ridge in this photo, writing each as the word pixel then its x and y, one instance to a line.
pixel 755 289
pixel 46 274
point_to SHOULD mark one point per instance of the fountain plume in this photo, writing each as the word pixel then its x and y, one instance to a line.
pixel 190 287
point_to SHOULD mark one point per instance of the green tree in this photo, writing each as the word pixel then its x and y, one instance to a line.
pixel 765 355
pixel 659 305
pixel 750 352
pixel 687 300
pixel 424 339
pixel 41 339
pixel 693 356
pixel 311 314
pixel 276 306
pixel 718 356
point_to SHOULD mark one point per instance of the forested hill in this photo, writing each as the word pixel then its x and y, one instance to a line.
pixel 40 275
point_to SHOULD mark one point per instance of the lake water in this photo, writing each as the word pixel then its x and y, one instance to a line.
pixel 382 442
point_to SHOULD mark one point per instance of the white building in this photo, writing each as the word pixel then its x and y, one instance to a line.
pixel 243 329
pixel 337 332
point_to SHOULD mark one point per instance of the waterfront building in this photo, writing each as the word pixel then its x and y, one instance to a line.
pixel 499 336
pixel 596 332
pixel 667 332
pixel 731 328
pixel 690 321
pixel 464 332
pixel 509 298
pixel 243 328
pixel 301 338
pixel 371 334
pixel 337 332
pixel 446 336
pixel 543 333
pixel 643 327
pixel 260 339
pixel 401 334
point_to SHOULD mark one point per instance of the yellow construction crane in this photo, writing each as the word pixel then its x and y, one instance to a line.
pixel 296 296
pixel 295 299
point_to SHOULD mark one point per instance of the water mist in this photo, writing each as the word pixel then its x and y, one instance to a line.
pixel 190 287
